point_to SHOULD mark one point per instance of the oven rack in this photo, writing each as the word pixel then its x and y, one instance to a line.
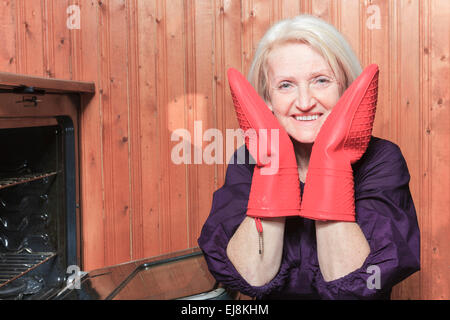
pixel 14 265
pixel 9 182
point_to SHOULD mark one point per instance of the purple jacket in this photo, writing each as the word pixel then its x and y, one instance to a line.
pixel 384 211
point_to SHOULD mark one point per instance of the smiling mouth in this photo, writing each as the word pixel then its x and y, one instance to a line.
pixel 307 117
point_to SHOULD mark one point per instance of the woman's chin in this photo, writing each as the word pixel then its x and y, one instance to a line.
pixel 304 138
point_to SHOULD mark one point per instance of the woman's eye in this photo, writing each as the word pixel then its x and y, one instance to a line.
pixel 322 80
pixel 284 85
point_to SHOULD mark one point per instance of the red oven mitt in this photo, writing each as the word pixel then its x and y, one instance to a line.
pixel 342 140
pixel 275 189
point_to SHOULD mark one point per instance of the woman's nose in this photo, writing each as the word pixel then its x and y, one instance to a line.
pixel 304 98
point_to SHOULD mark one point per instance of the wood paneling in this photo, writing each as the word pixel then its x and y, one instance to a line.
pixel 436 247
pixel 161 65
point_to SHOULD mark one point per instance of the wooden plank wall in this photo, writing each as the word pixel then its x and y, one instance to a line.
pixel 160 66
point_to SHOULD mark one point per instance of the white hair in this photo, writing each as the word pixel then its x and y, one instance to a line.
pixel 318 34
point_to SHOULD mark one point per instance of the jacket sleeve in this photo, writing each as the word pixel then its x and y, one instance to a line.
pixel 386 214
pixel 228 210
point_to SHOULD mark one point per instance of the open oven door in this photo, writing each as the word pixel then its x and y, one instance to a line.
pixel 180 275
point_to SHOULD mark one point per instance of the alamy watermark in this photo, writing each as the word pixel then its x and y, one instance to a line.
pixel 74 19
pixel 74 280
pixel 374 19
pixel 374 280
pixel 189 150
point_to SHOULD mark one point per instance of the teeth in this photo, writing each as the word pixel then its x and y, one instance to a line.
pixel 307 118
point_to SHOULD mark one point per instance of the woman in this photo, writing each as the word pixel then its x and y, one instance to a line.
pixel 301 69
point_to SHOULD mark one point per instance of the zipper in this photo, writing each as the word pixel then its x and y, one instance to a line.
pixel 259 228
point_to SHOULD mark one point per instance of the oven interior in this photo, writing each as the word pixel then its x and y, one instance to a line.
pixel 37 209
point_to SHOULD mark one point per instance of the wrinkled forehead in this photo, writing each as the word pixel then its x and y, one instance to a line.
pixel 299 60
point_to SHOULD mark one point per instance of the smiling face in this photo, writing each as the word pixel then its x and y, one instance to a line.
pixel 302 89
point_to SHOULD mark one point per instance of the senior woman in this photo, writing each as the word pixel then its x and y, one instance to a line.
pixel 301 69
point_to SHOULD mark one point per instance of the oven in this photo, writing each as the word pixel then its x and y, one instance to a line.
pixel 40 251
pixel 39 185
